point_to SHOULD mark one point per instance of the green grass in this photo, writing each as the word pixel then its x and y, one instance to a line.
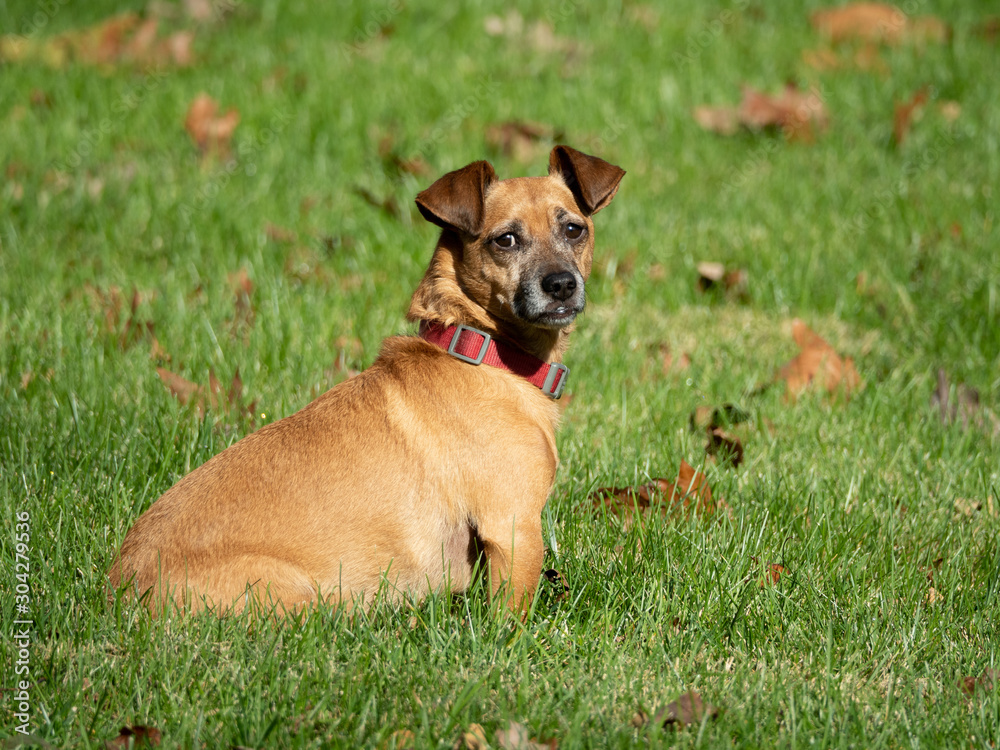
pixel 856 499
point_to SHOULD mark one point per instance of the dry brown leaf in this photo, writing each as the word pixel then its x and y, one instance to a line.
pixel 877 22
pixel 473 738
pixel 800 115
pixel 727 449
pixel 136 737
pixel 987 681
pixel 539 35
pixel 772 573
pixel 558 583
pixel 689 708
pixel 279 234
pixel 866 57
pixel 210 131
pixel 243 309
pixel 965 406
pixel 721 120
pixel 905 113
pixel 199 10
pixel 401 739
pixel 670 363
pixel 521 141
pixel 795 112
pixel 182 389
pixel 817 362
pixel 950 110
pixel 689 492
pixel 201 398
pixel 989 29
pixel 124 38
pixel 389 204
pixel 713 275
pixel 395 164
pixel 516 737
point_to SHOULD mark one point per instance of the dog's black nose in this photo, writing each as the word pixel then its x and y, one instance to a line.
pixel 560 285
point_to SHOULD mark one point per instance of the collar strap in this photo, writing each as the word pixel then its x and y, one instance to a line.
pixel 477 347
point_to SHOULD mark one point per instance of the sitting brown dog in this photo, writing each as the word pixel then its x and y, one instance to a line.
pixel 441 452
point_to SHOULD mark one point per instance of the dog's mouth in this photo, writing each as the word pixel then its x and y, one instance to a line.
pixel 557 316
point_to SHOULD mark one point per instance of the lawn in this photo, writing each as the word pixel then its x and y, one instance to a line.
pixel 846 592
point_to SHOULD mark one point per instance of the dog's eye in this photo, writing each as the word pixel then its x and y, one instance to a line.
pixel 505 241
pixel 573 231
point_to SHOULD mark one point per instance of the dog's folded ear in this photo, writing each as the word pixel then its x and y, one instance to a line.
pixel 456 200
pixel 593 181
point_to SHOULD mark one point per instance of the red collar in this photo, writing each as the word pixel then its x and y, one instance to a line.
pixel 476 347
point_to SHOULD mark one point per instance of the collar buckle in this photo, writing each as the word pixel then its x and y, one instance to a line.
pixel 555 381
pixel 484 347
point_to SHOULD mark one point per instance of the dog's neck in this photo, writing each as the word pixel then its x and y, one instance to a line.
pixel 440 298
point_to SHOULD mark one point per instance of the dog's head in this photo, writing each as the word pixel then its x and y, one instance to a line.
pixel 520 249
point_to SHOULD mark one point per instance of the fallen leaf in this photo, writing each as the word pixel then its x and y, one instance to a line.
pixel 689 492
pixel 712 275
pixel 721 120
pixel 157 352
pixel 538 35
pixel 199 10
pixel 799 115
pixel 473 738
pixel 401 739
pixel 726 448
pixel 989 29
pixel 202 398
pixel 670 363
pixel 709 417
pixel 210 131
pixel 521 141
pixel 905 113
pixel 389 205
pixel 965 406
pixel 817 362
pixel 866 57
pixel 950 110
pixel 714 421
pixel 135 329
pixel 136 737
pixel 395 164
pixel 124 38
pixel 986 682
pixel 182 389
pixel 279 234
pixel 772 573
pixel 243 309
pixel 877 22
pixel 516 737
pixel 689 708
pixel 558 582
